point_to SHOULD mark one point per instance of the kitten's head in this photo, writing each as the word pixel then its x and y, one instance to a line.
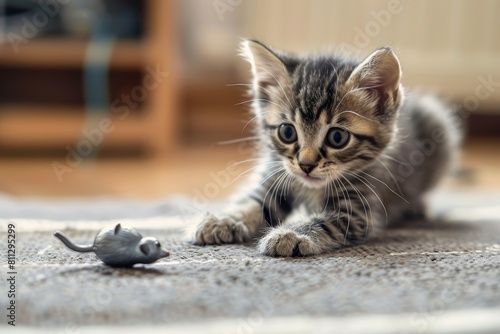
pixel 324 116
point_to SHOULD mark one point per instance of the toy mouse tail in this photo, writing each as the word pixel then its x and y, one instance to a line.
pixel 69 244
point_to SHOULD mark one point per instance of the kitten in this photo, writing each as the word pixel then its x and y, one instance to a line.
pixel 343 153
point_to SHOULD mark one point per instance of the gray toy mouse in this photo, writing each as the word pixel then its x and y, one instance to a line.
pixel 120 247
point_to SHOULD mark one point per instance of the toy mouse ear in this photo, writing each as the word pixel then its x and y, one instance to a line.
pixel 144 249
pixel 118 228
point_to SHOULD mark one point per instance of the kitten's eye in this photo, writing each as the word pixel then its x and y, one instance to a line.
pixel 287 133
pixel 337 138
pixel 157 244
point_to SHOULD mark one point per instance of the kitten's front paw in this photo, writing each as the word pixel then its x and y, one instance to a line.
pixel 286 242
pixel 220 230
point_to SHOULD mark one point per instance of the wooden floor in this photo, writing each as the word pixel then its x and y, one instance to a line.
pixel 196 172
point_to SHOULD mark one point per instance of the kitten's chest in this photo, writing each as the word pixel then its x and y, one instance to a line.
pixel 311 200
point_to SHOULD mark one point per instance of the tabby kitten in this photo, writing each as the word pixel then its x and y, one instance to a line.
pixel 342 153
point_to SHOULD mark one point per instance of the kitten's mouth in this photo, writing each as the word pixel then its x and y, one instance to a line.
pixel 310 179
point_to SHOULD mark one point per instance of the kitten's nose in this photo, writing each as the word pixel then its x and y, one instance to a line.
pixel 307 168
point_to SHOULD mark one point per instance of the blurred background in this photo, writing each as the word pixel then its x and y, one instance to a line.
pixel 139 99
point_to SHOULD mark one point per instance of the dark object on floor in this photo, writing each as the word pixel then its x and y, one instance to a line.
pixel 120 247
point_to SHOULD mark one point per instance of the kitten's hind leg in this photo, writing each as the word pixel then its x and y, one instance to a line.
pixel 416 212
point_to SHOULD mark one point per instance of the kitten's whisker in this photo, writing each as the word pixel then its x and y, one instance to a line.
pixel 272 93
pixel 276 96
pixel 277 189
pixel 269 208
pixel 337 186
pixel 334 179
pixel 329 189
pixel 272 174
pixel 385 184
pixel 361 116
pixel 265 197
pixel 270 200
pixel 391 175
pixel 236 141
pixel 245 171
pixel 258 117
pixel 363 199
pixel 282 188
pixel 242 162
pixel 336 73
pixel 350 206
pixel 238 84
pixel 251 119
pixel 393 159
pixel 362 177
pixel 261 87
pixel 284 191
pixel 265 100
pixel 251 169
pixel 373 191
pixel 359 193
pixel 278 84
pixel 290 183
pixel 326 198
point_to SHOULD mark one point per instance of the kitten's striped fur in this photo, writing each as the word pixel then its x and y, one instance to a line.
pixel 398 149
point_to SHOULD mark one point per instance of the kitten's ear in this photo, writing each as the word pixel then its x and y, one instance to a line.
pixel 380 72
pixel 267 67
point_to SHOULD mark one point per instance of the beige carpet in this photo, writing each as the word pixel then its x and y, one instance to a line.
pixel 441 276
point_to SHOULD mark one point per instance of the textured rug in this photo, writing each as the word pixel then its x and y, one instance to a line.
pixel 441 276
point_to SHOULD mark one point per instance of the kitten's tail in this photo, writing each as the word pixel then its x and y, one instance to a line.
pixel 70 245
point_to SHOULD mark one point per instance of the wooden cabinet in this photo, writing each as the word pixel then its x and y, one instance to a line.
pixel 44 89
